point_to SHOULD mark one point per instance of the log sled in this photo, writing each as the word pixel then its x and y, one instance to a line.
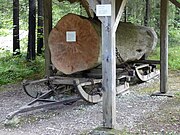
pixel 77 63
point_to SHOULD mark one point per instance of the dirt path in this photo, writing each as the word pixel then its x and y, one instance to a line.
pixel 137 112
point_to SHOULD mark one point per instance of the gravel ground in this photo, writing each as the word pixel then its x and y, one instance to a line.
pixel 137 112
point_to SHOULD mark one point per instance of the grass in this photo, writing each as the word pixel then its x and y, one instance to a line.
pixel 14 69
pixel 173 57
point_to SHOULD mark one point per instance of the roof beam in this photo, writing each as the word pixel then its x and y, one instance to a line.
pixel 176 3
pixel 119 15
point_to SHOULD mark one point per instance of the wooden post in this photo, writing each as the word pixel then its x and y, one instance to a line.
pixel 109 68
pixel 47 7
pixel 164 46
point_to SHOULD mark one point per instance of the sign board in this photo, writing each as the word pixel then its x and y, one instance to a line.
pixel 70 36
pixel 103 10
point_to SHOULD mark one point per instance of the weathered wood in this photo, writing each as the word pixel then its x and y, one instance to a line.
pixel 47 8
pixel 109 68
pixel 70 57
pixel 164 46
pixel 123 4
pixel 176 3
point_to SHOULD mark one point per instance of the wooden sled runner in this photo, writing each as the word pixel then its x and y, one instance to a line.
pixel 50 91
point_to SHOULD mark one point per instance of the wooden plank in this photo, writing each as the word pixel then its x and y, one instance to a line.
pixel 119 15
pixel 164 46
pixel 47 7
pixel 109 68
pixel 176 3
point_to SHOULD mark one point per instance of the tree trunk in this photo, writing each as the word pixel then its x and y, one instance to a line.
pixel 147 13
pixel 31 53
pixel 84 50
pixel 16 44
pixel 40 27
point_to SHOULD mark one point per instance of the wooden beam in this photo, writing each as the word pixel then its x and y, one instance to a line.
pixel 118 4
pixel 176 3
pixel 164 46
pixel 47 7
pixel 119 15
pixel 109 68
pixel 89 11
pixel 92 4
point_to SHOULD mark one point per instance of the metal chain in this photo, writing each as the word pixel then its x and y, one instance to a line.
pixel 118 56
pixel 120 59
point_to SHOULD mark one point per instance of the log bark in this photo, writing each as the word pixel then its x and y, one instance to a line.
pixel 85 53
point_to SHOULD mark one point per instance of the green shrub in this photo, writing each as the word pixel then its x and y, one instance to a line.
pixel 14 69
pixel 4 32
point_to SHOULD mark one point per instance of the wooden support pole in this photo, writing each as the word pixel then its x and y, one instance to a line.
pixel 109 68
pixel 47 7
pixel 164 46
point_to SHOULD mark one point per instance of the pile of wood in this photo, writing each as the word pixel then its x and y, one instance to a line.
pixel 84 51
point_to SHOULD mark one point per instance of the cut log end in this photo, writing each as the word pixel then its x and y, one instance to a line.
pixel 82 54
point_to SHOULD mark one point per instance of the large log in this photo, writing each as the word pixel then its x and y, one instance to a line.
pixel 85 53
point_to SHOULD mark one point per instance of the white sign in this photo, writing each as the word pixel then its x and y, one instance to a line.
pixel 103 10
pixel 70 36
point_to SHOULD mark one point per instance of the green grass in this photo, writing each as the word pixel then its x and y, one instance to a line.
pixel 173 57
pixel 14 69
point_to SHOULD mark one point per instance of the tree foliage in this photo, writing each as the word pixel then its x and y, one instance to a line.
pixel 135 13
